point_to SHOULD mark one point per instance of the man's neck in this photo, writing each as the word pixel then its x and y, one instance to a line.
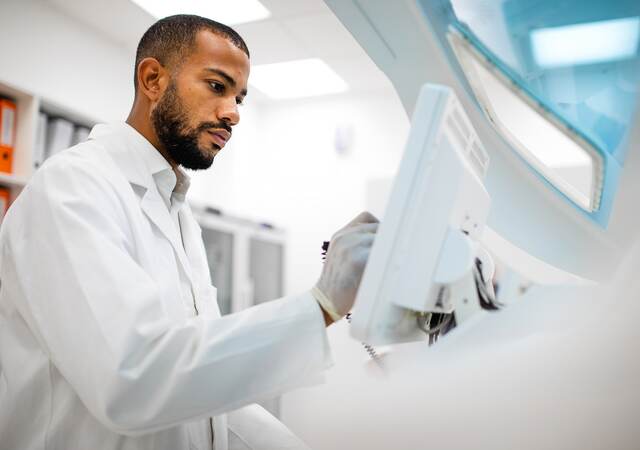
pixel 145 129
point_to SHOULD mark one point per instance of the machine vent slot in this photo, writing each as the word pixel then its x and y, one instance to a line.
pixel 479 158
pixel 457 117
pixel 459 136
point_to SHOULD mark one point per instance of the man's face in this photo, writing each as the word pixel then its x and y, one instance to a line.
pixel 194 118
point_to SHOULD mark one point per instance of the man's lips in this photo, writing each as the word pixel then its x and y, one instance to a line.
pixel 220 137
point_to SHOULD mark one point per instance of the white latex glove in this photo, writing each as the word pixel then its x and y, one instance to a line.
pixel 346 258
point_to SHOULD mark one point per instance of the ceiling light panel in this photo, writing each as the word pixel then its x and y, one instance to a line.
pixel 227 12
pixel 586 43
pixel 295 79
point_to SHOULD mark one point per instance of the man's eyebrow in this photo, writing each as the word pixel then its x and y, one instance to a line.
pixel 228 78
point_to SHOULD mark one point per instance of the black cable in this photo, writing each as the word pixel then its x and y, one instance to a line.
pixel 487 300
pixel 439 324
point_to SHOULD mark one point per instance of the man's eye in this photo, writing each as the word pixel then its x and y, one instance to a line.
pixel 239 101
pixel 217 87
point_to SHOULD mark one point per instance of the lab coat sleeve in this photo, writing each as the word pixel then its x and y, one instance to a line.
pixel 68 259
pixel 254 428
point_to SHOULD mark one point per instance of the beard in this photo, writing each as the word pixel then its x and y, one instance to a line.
pixel 178 139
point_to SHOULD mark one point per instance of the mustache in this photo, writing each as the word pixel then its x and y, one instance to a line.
pixel 214 125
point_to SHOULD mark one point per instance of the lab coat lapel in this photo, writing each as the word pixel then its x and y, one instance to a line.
pixel 123 143
pixel 156 211
pixel 192 240
pixel 206 293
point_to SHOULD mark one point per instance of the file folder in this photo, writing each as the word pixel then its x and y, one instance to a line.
pixel 80 134
pixel 41 140
pixel 4 201
pixel 8 119
pixel 59 136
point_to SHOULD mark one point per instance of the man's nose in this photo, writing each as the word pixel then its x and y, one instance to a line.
pixel 228 112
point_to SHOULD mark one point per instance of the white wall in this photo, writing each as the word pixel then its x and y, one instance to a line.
pixel 47 53
pixel 286 170
pixel 219 185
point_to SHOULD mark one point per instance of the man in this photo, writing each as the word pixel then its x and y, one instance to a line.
pixel 110 336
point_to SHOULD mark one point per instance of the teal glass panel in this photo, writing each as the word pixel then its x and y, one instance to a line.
pixel 578 57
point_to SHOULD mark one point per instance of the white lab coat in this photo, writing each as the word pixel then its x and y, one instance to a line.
pixel 97 348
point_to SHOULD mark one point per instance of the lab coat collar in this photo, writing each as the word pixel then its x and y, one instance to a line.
pixel 125 143
pixel 135 156
pixel 167 179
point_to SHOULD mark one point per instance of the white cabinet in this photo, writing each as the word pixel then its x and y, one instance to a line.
pixel 266 267
pixel 246 259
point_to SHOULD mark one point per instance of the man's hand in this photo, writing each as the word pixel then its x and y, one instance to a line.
pixel 346 258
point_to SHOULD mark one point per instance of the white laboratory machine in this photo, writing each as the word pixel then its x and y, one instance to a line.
pixel 550 92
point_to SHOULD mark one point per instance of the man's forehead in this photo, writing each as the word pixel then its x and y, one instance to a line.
pixel 214 50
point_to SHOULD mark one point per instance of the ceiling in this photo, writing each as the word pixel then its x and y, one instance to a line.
pixel 296 29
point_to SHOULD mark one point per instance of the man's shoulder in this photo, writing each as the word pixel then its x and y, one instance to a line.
pixel 87 159
pixel 82 176
pixel 74 179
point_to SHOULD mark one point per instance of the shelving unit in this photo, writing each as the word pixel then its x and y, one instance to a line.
pixel 28 105
pixel 13 181
pixel 26 122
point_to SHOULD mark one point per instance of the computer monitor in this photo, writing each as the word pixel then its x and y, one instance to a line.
pixel 429 233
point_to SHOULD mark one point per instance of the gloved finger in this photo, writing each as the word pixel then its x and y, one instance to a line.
pixel 350 248
pixel 360 238
pixel 363 217
pixel 364 228
pixel 366 240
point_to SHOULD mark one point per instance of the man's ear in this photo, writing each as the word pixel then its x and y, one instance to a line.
pixel 153 79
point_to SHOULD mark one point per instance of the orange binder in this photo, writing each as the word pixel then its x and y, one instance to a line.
pixel 7 134
pixel 4 201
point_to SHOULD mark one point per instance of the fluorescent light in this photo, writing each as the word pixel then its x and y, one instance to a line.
pixel 300 78
pixel 586 43
pixel 223 11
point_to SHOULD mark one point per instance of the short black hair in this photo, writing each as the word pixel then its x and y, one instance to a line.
pixel 170 39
